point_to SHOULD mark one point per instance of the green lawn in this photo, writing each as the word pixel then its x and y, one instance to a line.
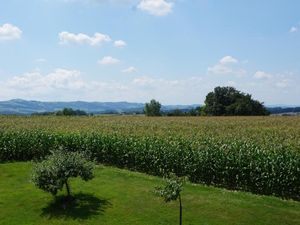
pixel 119 197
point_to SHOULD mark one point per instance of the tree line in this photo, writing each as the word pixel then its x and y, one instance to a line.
pixel 64 112
pixel 223 101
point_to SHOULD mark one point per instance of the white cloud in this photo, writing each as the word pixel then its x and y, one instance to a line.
pixel 143 81
pixel 108 60
pixel 172 91
pixel 284 83
pixel 59 85
pixel 226 66
pixel 156 7
pixel 9 32
pixel 34 85
pixel 99 1
pixel 294 29
pixel 120 44
pixel 219 69
pixel 231 83
pixel 67 85
pixel 98 38
pixel 153 7
pixel 262 75
pixel 228 60
pixel 60 78
pixel 40 60
pixel 70 85
pixel 130 69
pixel 164 84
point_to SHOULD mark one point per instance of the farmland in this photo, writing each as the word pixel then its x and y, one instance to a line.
pixel 255 154
pixel 281 130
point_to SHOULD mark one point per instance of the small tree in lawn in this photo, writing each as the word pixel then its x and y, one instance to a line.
pixel 172 191
pixel 53 173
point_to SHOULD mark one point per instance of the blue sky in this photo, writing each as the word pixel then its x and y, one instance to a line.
pixel 135 50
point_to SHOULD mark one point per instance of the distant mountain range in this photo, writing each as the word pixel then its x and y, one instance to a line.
pixel 24 107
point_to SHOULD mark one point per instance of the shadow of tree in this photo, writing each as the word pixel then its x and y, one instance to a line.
pixel 82 206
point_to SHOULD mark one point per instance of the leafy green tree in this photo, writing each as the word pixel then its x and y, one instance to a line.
pixel 227 101
pixel 152 108
pixel 193 112
pixel 71 112
pixel 172 191
pixel 175 112
pixel 53 173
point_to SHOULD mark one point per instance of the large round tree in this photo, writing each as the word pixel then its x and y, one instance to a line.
pixel 227 101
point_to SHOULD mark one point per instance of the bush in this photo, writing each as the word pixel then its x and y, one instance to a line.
pixel 53 173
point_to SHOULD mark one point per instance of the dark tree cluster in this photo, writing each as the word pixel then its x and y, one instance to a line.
pixel 63 112
pixel 152 108
pixel 223 101
pixel 184 112
pixel 71 112
pixel 227 101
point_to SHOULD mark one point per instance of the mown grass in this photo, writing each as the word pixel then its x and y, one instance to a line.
pixel 119 197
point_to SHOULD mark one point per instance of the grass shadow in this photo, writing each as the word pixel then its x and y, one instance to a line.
pixel 83 206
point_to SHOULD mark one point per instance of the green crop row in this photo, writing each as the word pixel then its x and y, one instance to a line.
pixel 230 163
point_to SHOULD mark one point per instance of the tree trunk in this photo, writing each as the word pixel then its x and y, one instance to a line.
pixel 180 211
pixel 68 189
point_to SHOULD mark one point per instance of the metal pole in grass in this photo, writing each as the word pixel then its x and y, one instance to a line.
pixel 171 191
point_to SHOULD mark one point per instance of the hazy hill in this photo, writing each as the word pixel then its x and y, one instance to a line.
pixel 24 107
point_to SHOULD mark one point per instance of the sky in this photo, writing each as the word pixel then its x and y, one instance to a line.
pixel 175 51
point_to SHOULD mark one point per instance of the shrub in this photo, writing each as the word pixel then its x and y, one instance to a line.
pixel 53 173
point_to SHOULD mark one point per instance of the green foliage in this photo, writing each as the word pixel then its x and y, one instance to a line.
pixel 71 112
pixel 152 108
pixel 54 172
pixel 171 191
pixel 63 112
pixel 231 102
pixel 186 112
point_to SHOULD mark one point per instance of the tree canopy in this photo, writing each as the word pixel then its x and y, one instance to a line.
pixel 54 172
pixel 152 108
pixel 227 101
pixel 71 112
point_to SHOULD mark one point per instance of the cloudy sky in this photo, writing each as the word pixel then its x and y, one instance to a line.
pixel 175 51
